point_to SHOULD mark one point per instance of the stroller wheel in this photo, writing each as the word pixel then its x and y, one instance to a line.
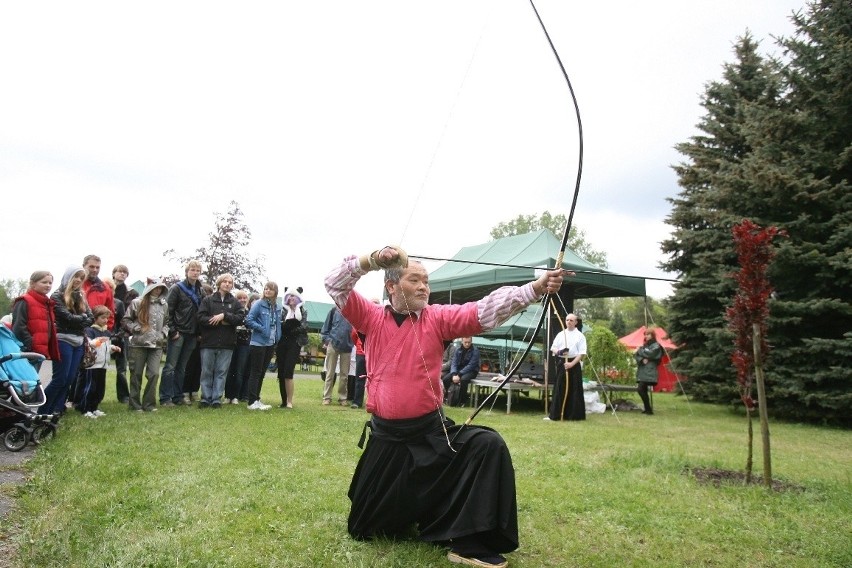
pixel 44 432
pixel 16 438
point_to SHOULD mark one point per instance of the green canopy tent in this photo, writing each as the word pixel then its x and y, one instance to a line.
pixel 514 261
pixel 317 312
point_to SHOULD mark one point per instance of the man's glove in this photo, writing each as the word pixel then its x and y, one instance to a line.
pixel 373 261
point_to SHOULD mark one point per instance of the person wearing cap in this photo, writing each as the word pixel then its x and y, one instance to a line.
pixel 455 484
pixel 294 336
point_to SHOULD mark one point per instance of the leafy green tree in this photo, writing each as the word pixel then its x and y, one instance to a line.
pixel 608 359
pixel 9 290
pixel 226 252
pixel 619 328
pixel 523 224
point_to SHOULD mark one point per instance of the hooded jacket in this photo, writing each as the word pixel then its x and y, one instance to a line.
pixel 70 326
pixel 157 332
pixel 294 321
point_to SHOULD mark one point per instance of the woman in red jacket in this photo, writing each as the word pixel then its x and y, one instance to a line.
pixel 34 323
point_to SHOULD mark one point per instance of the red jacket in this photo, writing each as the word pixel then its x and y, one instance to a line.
pixel 99 294
pixel 34 324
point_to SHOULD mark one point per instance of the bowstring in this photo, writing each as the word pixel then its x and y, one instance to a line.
pixel 414 321
pixel 438 405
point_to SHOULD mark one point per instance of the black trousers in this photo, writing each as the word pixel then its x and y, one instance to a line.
pixel 568 402
pixel 409 477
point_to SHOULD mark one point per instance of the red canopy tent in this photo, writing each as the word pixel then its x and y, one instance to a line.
pixel 667 378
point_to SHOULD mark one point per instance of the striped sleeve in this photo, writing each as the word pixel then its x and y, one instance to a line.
pixel 342 279
pixel 503 303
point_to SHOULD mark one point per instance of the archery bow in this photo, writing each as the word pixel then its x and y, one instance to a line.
pixel 565 234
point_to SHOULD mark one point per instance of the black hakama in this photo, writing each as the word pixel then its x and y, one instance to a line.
pixel 408 475
pixel 575 406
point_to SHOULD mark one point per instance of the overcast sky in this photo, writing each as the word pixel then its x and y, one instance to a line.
pixel 341 126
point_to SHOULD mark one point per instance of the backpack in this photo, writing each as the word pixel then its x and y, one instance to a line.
pixel 454 395
pixel 90 354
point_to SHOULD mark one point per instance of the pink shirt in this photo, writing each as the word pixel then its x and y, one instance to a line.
pixel 404 361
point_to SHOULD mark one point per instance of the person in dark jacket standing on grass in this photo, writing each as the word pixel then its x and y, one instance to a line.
pixel 647 357
pixel 183 301
pixel 218 317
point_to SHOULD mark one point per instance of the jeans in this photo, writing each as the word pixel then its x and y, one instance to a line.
pixel 259 357
pixel 64 372
pixel 171 383
pixel 214 370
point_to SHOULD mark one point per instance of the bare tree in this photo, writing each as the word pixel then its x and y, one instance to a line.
pixel 226 251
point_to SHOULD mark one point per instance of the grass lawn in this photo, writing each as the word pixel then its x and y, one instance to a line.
pixel 191 487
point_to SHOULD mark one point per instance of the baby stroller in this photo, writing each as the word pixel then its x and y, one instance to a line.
pixel 21 394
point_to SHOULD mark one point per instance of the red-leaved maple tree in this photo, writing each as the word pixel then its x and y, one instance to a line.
pixel 747 319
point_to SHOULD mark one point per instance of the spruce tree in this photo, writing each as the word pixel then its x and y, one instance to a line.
pixel 777 149
pixel 700 248
pixel 798 176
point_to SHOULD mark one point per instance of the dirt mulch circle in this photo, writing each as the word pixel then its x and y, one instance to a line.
pixel 719 477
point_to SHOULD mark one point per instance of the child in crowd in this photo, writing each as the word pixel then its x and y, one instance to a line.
pixel 146 322
pixel 90 390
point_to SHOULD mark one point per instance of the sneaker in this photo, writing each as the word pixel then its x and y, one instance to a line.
pixel 99 413
pixel 264 406
pixel 546 418
pixel 167 403
pixel 355 405
pixel 326 402
pixel 257 405
pixel 492 561
pixel 235 401
pixel 90 415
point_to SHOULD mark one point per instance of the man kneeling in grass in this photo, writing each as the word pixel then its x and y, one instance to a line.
pixel 461 496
